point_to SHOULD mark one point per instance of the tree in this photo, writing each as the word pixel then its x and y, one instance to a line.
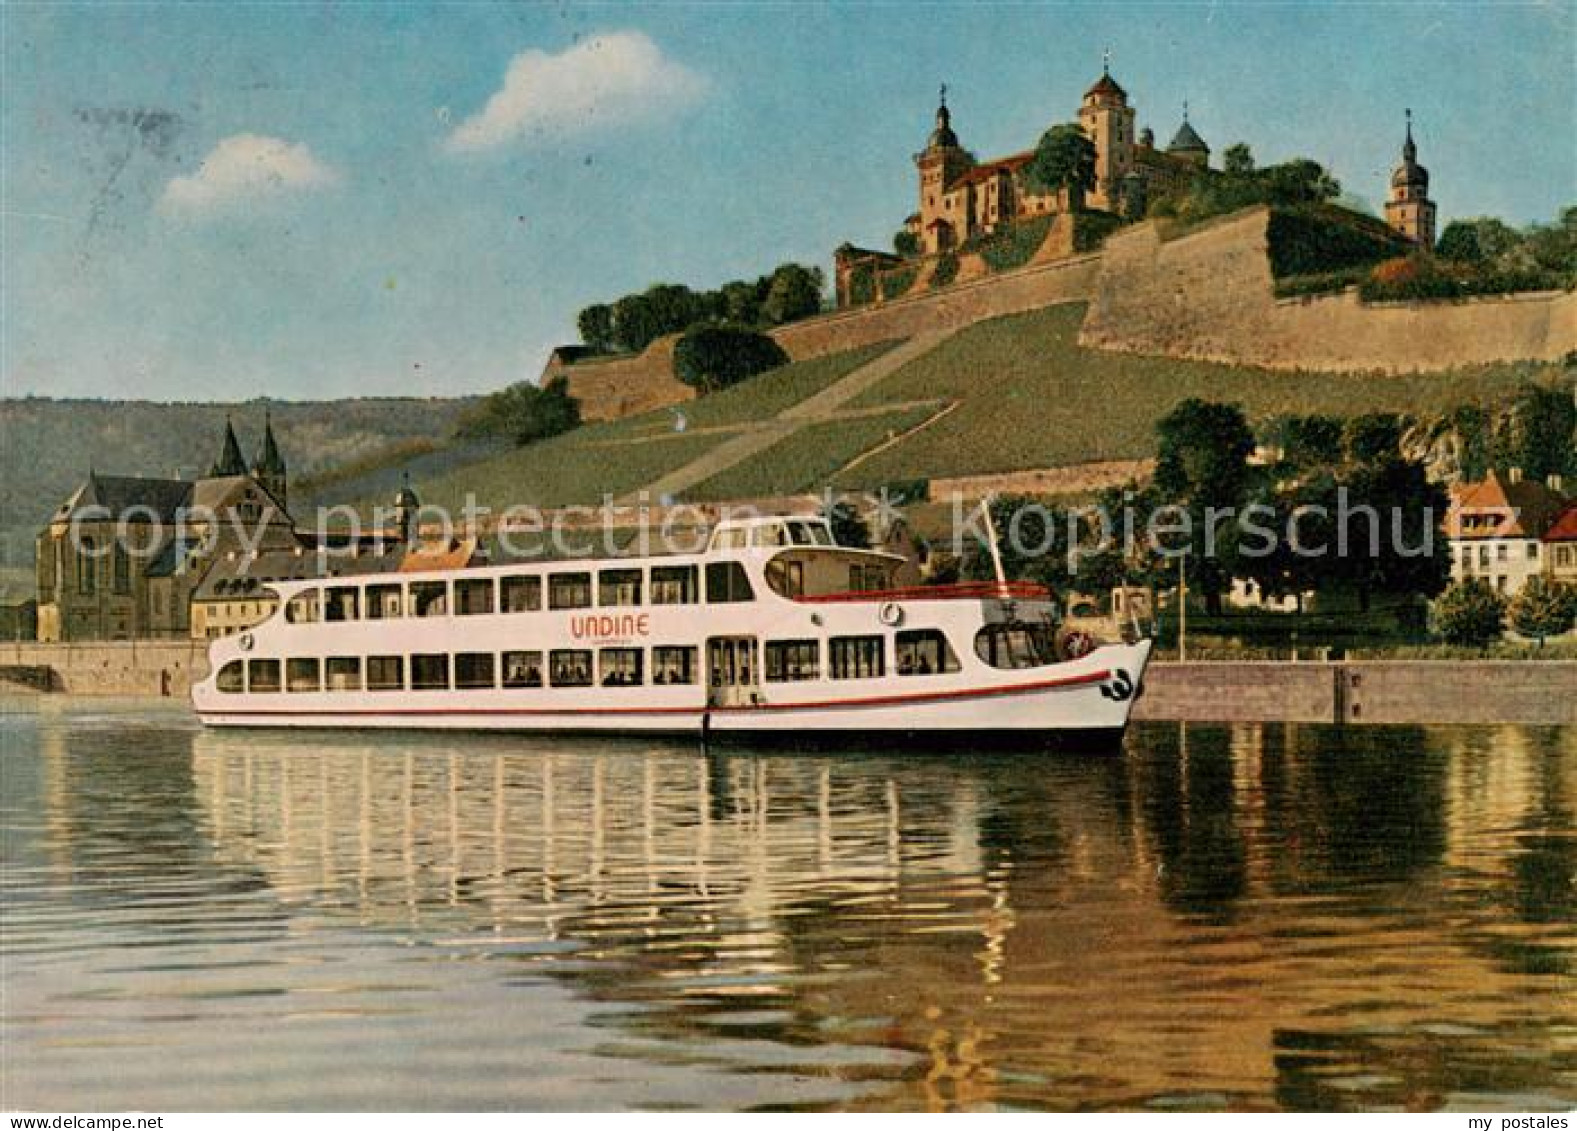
pixel 1537 433
pixel 1470 614
pixel 1544 608
pixel 794 293
pixel 709 358
pixel 1202 465
pixel 1389 536
pixel 1300 181
pixel 906 243
pixel 524 413
pixel 1482 239
pixel 595 324
pixel 848 528
pixel 741 303
pixel 1237 160
pixel 1307 442
pixel 1064 159
pixel 1374 437
pixel 1031 541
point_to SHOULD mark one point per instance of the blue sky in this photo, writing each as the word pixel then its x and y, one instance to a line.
pixel 303 200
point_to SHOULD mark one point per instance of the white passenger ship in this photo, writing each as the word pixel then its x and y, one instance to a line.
pixel 773 630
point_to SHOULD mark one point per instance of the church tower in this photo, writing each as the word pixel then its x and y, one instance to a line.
pixel 230 461
pixel 942 226
pixel 1408 208
pixel 1108 120
pixel 269 467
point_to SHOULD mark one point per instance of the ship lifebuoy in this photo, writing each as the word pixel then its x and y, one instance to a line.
pixel 1076 644
pixel 245 642
pixel 890 614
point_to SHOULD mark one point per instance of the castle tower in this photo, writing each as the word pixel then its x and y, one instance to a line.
pixel 1108 120
pixel 230 461
pixel 942 222
pixel 406 509
pixel 1187 144
pixel 1408 208
pixel 269 467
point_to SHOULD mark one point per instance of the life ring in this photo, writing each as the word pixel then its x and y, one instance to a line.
pixel 245 642
pixel 1076 644
pixel 890 614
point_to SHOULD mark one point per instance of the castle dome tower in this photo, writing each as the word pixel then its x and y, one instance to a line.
pixel 944 214
pixel 1108 121
pixel 1408 208
pixel 269 467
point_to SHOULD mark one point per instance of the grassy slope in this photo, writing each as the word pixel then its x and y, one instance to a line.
pixel 1033 398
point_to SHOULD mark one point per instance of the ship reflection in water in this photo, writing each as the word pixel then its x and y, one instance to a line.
pixel 1225 917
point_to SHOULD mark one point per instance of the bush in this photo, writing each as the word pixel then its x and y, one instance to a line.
pixel 1329 282
pixel 1321 239
pixel 1013 245
pixel 1090 229
pixel 1421 276
pixel 714 357
pixel 1470 614
pixel 906 243
pixel 896 283
pixel 524 413
pixel 862 284
pixel 946 269
pixel 1544 608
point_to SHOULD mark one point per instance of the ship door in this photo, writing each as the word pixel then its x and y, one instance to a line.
pixel 733 673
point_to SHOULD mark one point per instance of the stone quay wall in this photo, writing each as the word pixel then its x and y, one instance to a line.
pixel 122 667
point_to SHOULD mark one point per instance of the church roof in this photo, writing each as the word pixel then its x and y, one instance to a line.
pixel 1187 140
pixel 111 497
pixel 230 460
pixel 269 461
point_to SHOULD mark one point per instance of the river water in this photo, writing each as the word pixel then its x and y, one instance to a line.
pixel 1219 917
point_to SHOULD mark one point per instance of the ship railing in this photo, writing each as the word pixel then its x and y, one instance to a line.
pixel 963 591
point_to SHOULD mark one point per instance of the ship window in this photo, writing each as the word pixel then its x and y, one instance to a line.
pixel 232 677
pixel 262 675
pixel 522 594
pixel 383 602
pixel 303 608
pixel 867 578
pixel 344 673
pixel 1015 645
pixel 924 651
pixel 787 579
pixel 523 669
pixel 731 539
pixel 672 664
pixel 429 598
pixel 473 669
pixel 855 657
pixel 341 604
pixel 770 535
pixel 571 667
pixel 726 582
pixel 620 667
pixel 473 596
pixel 790 660
pixel 569 591
pixel 385 673
pixel 430 673
pixel 674 585
pixel 619 587
pixel 802 533
pixel 303 675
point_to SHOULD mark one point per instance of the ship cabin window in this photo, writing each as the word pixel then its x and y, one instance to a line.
pixel 430 673
pixel 262 675
pixel 673 665
pixel 521 594
pixel 569 591
pixel 303 675
pixel 1015 645
pixel 302 608
pixel 473 670
pixel 570 667
pixel 342 603
pixel 343 673
pixel 771 534
pixel 787 578
pixel 385 673
pixel 473 596
pixel 867 578
pixel 727 582
pixel 619 587
pixel 792 660
pixel 674 585
pixel 924 651
pixel 620 667
pixel 810 534
pixel 429 598
pixel 383 602
pixel 733 539
pixel 522 669
pixel 232 677
pixel 856 657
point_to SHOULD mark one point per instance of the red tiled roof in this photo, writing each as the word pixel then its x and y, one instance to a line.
pixel 1503 509
pixel 999 167
pixel 1564 529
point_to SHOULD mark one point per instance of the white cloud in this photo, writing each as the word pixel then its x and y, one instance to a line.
pixel 612 79
pixel 246 167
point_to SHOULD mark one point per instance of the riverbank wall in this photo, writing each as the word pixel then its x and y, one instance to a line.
pixel 157 668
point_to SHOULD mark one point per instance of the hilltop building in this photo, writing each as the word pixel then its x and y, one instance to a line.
pixel 1408 208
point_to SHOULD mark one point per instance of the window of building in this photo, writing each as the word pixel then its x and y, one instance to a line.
pixel 855 657
pixel 620 667
pixel 87 566
pixel 341 603
pixel 385 673
pixel 672 664
pixel 343 673
pixel 522 669
pixel 429 673
pixel 1500 583
pixel 790 660
pixel 122 570
pixel 1500 552
pixel 570 667
pixel 232 677
pixel 303 674
pixel 473 596
pixel 429 598
pixel 674 585
pixel 619 587
pixel 727 582
pixel 1533 551
pixel 924 651
pixel 522 594
pixel 383 602
pixel 262 675
pixel 303 608
pixel 473 669
pixel 1483 555
pixel 569 591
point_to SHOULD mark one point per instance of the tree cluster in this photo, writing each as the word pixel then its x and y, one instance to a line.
pixel 1241 184
pixel 709 358
pixel 523 413
pixel 1487 243
pixel 632 323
